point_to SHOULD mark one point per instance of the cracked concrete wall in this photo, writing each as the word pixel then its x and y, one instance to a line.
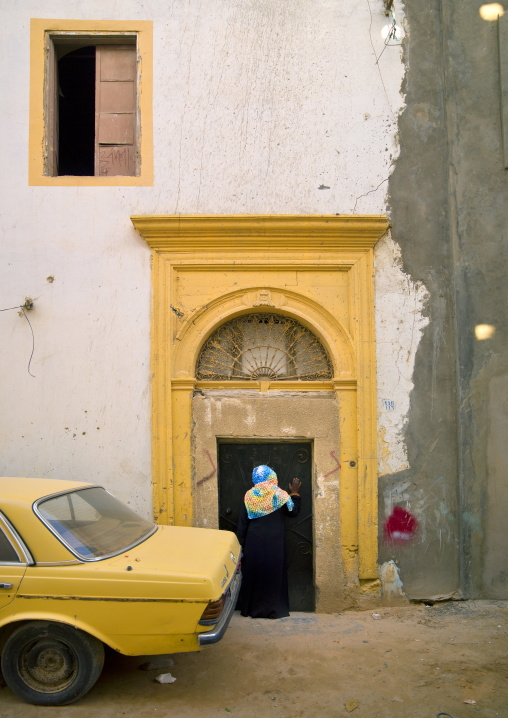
pixel 428 487
pixel 448 214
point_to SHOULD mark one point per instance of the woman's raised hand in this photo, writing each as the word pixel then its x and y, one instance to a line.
pixel 294 486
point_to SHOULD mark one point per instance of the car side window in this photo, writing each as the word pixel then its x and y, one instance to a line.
pixel 7 553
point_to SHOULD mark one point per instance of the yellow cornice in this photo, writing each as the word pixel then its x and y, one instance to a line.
pixel 216 233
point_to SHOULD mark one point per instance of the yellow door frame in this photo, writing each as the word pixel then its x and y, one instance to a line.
pixel 215 249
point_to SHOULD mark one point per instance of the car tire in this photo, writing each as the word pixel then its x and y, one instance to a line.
pixel 51 664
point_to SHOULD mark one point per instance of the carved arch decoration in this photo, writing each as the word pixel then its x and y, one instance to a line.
pixel 263 345
pixel 318 270
pixel 196 328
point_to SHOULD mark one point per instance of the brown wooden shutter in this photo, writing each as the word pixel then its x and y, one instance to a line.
pixel 51 111
pixel 115 110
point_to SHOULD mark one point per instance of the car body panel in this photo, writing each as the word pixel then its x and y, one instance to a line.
pixel 10 579
pixel 148 600
pixel 11 571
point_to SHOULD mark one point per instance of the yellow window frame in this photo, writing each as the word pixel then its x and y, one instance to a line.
pixel 38 128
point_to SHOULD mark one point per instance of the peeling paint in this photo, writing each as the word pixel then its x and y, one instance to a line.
pixel 392 593
pixel 400 320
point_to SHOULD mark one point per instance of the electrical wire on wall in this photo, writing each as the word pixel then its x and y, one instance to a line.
pixel 392 33
pixel 391 36
pixel 27 306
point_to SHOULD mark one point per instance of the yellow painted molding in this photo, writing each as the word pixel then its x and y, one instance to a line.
pixel 362 275
pixel 348 452
pixel 162 445
pixel 181 430
pixel 232 246
pixel 249 385
pixel 183 384
pixel 213 233
pixel 345 384
pixel 39 31
pixel 196 328
pixel 266 262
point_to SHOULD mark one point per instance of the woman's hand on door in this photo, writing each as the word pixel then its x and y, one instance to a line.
pixel 294 486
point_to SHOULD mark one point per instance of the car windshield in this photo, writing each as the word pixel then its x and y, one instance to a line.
pixel 93 523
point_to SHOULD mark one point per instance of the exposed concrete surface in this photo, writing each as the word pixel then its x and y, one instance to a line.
pixel 448 215
pixel 478 186
pixel 429 564
pixel 495 568
pixel 413 662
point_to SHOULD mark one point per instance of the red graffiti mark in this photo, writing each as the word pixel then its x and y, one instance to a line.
pixel 400 527
pixel 209 476
pixel 332 454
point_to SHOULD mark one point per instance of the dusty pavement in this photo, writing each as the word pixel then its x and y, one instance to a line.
pixel 413 662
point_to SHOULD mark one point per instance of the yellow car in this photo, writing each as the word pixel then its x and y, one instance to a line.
pixel 80 570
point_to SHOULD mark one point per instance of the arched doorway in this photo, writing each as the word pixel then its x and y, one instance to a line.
pixel 317 272
pixel 262 345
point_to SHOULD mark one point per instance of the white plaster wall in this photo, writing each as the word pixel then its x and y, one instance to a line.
pixel 257 104
pixel 400 320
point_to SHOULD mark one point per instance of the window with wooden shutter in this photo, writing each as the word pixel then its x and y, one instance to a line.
pixel 115 110
pixel 91 114
pixel 91 108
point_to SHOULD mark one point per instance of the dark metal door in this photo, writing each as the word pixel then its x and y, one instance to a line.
pixel 288 460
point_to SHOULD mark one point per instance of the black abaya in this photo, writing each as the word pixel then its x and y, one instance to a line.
pixel 264 591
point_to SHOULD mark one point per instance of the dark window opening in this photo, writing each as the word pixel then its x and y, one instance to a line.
pixel 76 113
pixel 91 108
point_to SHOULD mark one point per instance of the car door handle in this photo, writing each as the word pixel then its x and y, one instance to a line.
pixel 6 585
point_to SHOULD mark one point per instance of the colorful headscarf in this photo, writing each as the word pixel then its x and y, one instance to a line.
pixel 266 496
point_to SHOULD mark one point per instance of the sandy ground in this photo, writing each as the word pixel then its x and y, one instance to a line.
pixel 413 662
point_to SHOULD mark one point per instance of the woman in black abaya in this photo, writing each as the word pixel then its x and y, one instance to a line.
pixel 264 591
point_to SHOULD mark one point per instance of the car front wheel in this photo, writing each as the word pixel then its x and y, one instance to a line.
pixel 51 664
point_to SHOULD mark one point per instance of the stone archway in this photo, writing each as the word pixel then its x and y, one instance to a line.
pixel 318 270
